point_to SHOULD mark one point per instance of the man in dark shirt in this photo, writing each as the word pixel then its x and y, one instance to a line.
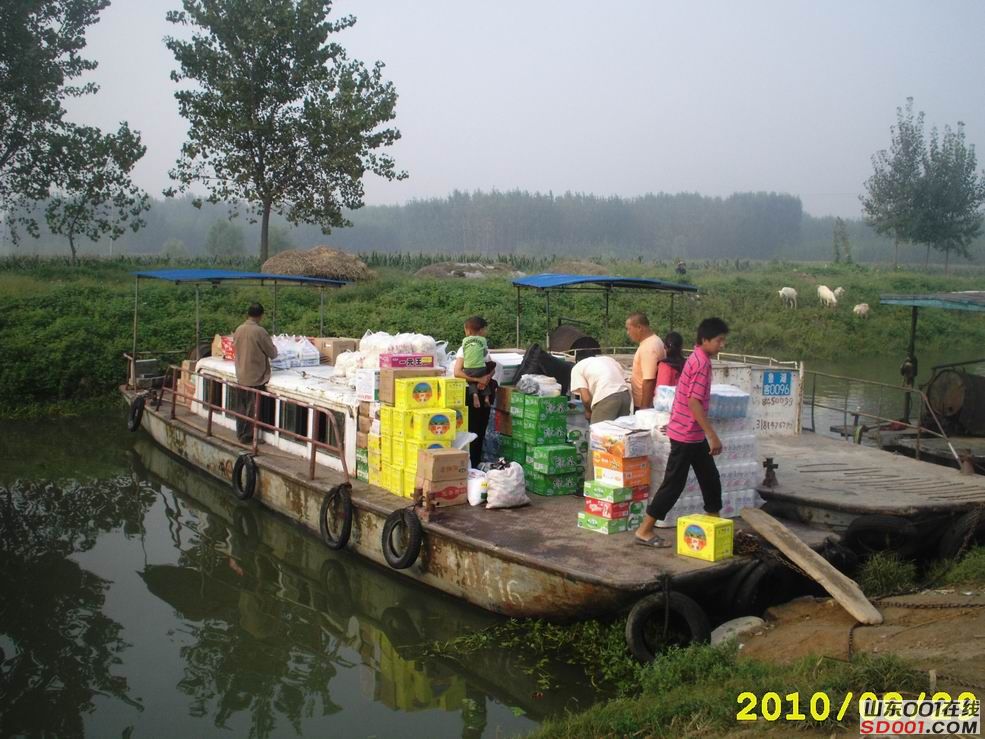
pixel 254 350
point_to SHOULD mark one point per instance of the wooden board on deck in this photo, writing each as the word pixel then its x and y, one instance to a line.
pixel 830 473
pixel 844 590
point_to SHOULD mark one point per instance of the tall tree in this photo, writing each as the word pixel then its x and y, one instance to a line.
pixel 890 193
pixel 94 195
pixel 280 118
pixel 950 196
pixel 225 239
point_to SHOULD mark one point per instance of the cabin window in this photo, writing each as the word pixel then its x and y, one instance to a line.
pixel 323 429
pixel 212 390
pixel 293 418
pixel 237 399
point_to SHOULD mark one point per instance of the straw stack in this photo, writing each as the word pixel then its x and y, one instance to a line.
pixel 321 261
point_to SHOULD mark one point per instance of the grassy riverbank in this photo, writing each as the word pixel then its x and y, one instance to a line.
pixel 65 328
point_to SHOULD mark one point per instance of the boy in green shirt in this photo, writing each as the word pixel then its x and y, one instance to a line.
pixel 476 362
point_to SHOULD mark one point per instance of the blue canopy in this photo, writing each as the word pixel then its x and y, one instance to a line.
pixel 178 276
pixel 972 300
pixel 549 281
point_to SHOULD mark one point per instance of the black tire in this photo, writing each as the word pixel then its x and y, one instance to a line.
pixel 968 527
pixel 877 533
pixel 734 583
pixel 401 555
pixel 839 556
pixel 204 349
pixel 336 511
pixel 688 624
pixel 244 489
pixel 767 584
pixel 136 412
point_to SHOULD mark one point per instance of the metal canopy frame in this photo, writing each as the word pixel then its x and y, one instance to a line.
pixel 547 283
pixel 215 277
pixel 972 300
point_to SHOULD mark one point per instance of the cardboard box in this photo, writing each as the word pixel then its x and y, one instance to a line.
pixel 541 484
pixel 374 443
pixel 608 491
pixel 364 424
pixel 330 347
pixel 399 423
pixel 413 448
pixel 704 537
pixel 517 404
pixel 386 447
pixel 362 470
pixel 375 477
pixel 601 525
pixel 386 420
pixel 368 385
pixel 620 464
pixel 461 419
pixel 619 441
pixel 634 521
pixel 554 459
pixel 605 509
pixel 631 479
pixel 439 465
pixel 362 440
pixel 435 423
pixel 546 409
pixel 519 451
pixel 503 397
pixel 407 361
pixel 223 347
pixel 398 454
pixel 375 459
pixel 503 422
pixel 389 377
pixel 366 409
pixel 451 392
pixel 394 477
pixel 443 493
pixel 415 393
pixel 537 435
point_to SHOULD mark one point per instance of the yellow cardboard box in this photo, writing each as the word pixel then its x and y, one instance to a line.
pixel 451 392
pixel 394 477
pixel 399 421
pixel 407 490
pixel 375 460
pixel 461 418
pixel 374 443
pixel 415 393
pixel 376 476
pixel 704 537
pixel 437 424
pixel 398 456
pixel 386 420
pixel 386 448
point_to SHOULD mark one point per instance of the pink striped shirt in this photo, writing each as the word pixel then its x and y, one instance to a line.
pixel 695 382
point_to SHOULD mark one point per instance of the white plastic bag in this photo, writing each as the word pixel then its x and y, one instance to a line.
pixel 506 488
pixel 478 487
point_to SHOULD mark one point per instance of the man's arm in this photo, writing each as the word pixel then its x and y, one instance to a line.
pixel 586 400
pixel 649 389
pixel 649 363
pixel 267 345
pixel 460 373
pixel 698 411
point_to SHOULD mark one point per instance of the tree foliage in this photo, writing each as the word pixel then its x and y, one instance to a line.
pixel 891 192
pixel 225 240
pixel 280 118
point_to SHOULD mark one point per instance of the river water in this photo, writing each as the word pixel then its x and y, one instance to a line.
pixel 140 599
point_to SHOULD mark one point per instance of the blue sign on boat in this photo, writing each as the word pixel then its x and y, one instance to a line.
pixel 776 384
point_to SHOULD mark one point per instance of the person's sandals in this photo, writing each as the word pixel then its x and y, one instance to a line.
pixel 656 541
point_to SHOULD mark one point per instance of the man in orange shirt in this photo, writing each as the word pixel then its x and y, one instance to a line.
pixel 648 355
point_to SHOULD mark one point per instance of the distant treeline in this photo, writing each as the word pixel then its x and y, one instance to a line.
pixel 759 226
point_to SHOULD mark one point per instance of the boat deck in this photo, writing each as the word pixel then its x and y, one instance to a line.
pixel 816 472
pixel 543 535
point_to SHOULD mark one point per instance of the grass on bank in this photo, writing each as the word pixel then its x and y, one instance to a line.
pixel 886 573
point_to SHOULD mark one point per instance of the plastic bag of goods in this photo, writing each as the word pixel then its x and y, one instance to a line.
pixel 506 486
pixel 308 353
pixel 287 353
pixel 664 399
pixel 541 385
pixel 478 487
pixel 346 365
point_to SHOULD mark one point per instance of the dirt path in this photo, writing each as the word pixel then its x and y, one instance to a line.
pixel 951 641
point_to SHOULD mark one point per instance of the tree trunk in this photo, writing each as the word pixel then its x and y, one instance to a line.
pixel 71 245
pixel 926 262
pixel 896 253
pixel 265 234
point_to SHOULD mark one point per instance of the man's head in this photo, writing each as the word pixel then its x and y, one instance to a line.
pixel 475 326
pixel 638 327
pixel 712 333
pixel 255 311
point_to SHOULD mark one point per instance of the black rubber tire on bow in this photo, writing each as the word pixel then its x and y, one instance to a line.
pixel 877 533
pixel 405 519
pixel 337 503
pixel 644 626
pixel 136 412
pixel 767 584
pixel 968 527
pixel 244 489
pixel 842 558
pixel 734 583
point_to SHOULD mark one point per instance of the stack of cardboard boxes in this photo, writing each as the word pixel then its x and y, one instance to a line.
pixel 441 477
pixel 615 500
pixel 367 437
pixel 538 440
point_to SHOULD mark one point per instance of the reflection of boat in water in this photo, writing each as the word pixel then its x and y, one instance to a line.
pixel 258 570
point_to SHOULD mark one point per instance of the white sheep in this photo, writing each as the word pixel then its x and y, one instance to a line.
pixel 827 298
pixel 861 310
pixel 789 297
pixel 839 291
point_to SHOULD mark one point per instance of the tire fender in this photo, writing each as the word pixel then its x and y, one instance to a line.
pixel 136 412
pixel 870 534
pixel 244 489
pixel 403 519
pixel 689 623
pixel 336 508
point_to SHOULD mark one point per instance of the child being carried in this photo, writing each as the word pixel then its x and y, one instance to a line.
pixel 477 364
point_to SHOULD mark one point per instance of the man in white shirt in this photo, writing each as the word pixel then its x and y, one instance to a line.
pixel 601 384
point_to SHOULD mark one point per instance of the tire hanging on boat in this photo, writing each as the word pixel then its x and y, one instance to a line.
pixel 335 516
pixel 878 533
pixel 406 520
pixel 687 624
pixel 136 412
pixel 732 588
pixel 244 489
pixel 962 532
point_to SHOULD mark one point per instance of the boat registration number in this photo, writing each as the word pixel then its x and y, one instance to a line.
pixel 776 384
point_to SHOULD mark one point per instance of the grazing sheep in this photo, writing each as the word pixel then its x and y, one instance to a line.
pixel 827 298
pixel 861 310
pixel 839 291
pixel 789 297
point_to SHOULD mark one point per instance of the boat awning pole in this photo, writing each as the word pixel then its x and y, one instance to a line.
pixel 909 368
pixel 517 318
pixel 605 326
pixel 321 312
pixel 197 322
pixel 547 336
pixel 672 311
pixel 133 360
pixel 275 308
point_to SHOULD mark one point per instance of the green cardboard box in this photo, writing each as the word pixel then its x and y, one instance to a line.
pixel 601 525
pixel 546 409
pixel 541 435
pixel 554 459
pixel 517 405
pixel 567 484
pixel 362 455
pixel 603 491
pixel 362 470
pixel 634 520
pixel 518 451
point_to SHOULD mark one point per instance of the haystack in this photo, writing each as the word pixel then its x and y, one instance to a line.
pixel 321 261
pixel 577 267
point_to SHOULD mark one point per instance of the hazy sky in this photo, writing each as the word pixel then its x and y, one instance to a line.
pixel 618 98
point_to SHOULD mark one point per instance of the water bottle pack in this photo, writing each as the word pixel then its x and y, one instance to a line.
pixel 732 504
pixel 728 401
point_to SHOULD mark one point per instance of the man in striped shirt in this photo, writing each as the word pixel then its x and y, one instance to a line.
pixel 693 441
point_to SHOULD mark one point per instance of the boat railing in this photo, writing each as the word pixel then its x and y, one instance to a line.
pixel 175 372
pixel 858 413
